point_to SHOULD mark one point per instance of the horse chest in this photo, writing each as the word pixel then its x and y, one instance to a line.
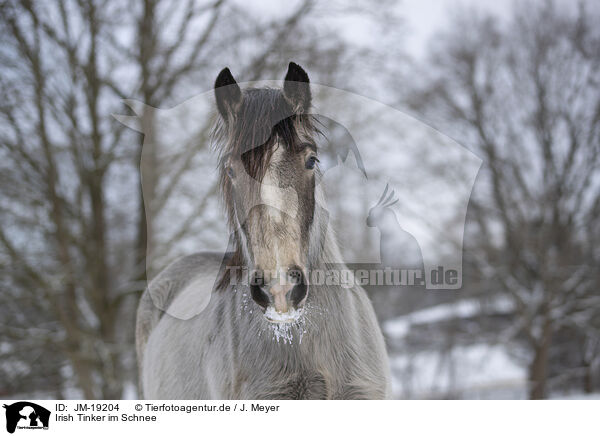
pixel 280 371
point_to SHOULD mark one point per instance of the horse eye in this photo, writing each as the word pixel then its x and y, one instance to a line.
pixel 311 162
pixel 230 172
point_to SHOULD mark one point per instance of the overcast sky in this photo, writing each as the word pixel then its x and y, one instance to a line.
pixel 424 17
pixel 421 17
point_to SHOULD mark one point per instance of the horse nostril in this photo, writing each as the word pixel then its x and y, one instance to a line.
pixel 259 296
pixel 298 294
pixel 256 290
pixel 300 289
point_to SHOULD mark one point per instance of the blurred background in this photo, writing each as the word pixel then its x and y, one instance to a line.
pixel 517 84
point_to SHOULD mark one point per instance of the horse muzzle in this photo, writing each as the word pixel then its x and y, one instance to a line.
pixel 281 298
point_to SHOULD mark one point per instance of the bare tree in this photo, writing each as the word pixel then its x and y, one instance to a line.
pixel 58 150
pixel 524 94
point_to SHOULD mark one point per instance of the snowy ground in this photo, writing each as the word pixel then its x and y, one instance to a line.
pixel 399 327
pixel 577 396
pixel 473 370
pixel 479 371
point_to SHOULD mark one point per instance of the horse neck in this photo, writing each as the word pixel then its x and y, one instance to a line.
pixel 324 250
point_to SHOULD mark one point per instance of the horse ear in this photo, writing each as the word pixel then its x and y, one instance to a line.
pixel 296 88
pixel 227 93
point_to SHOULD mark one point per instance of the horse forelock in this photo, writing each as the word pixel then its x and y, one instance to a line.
pixel 263 120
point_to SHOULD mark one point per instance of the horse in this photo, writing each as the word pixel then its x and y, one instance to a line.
pixel 276 335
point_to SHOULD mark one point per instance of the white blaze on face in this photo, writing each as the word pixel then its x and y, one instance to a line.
pixel 278 199
pixel 279 291
pixel 280 202
pixel 282 211
pixel 272 196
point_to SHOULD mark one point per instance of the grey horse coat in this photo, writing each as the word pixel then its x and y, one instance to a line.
pixel 229 350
